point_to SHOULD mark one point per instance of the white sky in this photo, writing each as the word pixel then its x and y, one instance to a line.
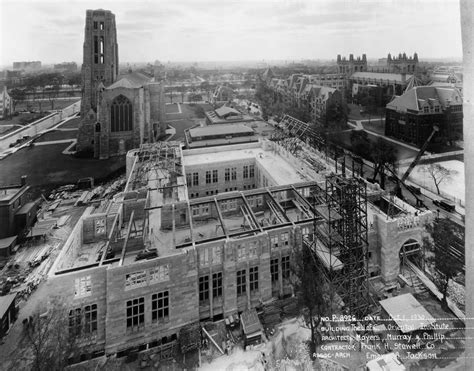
pixel 201 30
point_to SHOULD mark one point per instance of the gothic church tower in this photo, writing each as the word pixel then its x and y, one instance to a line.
pixel 99 69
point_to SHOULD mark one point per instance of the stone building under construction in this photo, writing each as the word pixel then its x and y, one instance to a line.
pixel 206 233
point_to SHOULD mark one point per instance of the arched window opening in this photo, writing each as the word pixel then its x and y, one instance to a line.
pixel 101 50
pixel 121 114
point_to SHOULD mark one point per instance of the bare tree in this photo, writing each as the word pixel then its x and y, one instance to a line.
pixel 439 174
pixel 46 343
pixel 443 232
pixel 310 291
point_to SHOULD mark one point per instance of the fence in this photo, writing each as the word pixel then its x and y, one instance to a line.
pixel 432 189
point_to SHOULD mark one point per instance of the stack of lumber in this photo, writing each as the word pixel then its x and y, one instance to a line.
pixel 270 316
pixel 289 307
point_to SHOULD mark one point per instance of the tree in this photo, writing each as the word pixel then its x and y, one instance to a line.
pixel 301 113
pixel 442 233
pixel 438 174
pixel 383 155
pixel 72 81
pixel 360 143
pixel 46 343
pixel 311 294
pixel 183 90
pixel 264 96
pixel 18 95
pixel 336 115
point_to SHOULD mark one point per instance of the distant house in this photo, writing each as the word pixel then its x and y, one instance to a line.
pixel 411 116
pixel 16 210
pixel 224 114
pixel 447 79
pixel 222 93
pixel 6 103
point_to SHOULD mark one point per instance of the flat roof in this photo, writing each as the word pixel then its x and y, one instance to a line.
pixel 6 194
pixel 407 312
pixel 7 242
pixel 250 322
pixel 281 171
pixel 219 129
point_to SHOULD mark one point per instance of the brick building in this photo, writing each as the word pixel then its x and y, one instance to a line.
pixel 16 210
pixel 411 116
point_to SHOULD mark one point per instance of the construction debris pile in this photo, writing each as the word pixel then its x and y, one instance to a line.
pixel 23 274
pixel 84 197
pixel 273 313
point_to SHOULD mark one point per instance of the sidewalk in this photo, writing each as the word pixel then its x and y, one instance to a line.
pixel 426 192
pixel 359 125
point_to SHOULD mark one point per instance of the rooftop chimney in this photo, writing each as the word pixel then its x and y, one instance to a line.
pixel 23 180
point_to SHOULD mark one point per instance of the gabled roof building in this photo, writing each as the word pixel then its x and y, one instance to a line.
pixel 412 116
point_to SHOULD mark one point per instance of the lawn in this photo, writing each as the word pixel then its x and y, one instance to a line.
pixel 57 135
pixel 4 129
pixel 74 123
pixel 181 126
pixel 171 108
pixel 376 125
pixel 191 116
pixel 23 118
pixel 344 140
pixel 45 165
pixel 354 113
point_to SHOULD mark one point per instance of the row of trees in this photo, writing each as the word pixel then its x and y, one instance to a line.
pixel 382 154
pixel 43 85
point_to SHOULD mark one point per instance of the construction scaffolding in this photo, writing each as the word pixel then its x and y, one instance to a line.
pixel 160 160
pixel 293 133
pixel 340 243
pixel 292 130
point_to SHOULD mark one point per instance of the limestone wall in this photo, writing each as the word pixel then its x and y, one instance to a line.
pixel 183 291
pixel 63 288
pixel 391 239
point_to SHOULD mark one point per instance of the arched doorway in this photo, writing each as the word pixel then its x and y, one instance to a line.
pixel 410 251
